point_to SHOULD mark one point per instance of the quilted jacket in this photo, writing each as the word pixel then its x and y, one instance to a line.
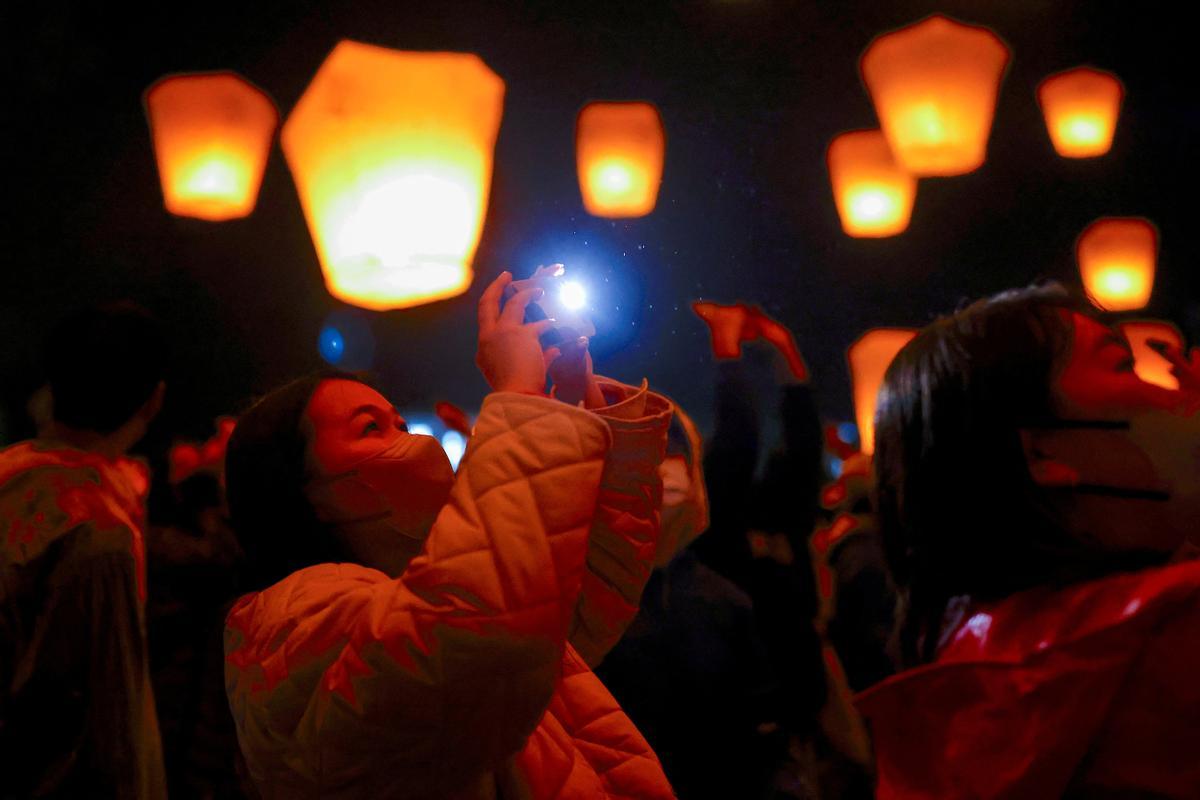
pixel 77 715
pixel 468 676
pixel 1091 690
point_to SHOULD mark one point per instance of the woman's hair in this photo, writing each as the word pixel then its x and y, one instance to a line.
pixel 265 478
pixel 959 511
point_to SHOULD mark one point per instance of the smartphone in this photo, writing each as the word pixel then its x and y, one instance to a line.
pixel 572 318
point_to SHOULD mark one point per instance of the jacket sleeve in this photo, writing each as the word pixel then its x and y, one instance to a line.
pixel 624 532
pixel 446 670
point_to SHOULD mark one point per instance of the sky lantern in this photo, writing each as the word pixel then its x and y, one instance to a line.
pixel 874 195
pixel 934 86
pixel 619 150
pixel 869 358
pixel 1081 107
pixel 1150 365
pixel 212 134
pixel 1116 258
pixel 391 152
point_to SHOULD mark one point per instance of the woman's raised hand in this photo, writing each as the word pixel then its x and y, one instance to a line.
pixel 509 355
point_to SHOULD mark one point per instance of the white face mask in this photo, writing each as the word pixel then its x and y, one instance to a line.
pixel 384 506
pixel 1152 458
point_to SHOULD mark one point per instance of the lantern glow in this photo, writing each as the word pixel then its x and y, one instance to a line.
pixel 1148 364
pixel 934 86
pixel 874 195
pixel 1081 107
pixel 869 358
pixel 619 151
pixel 392 154
pixel 212 135
pixel 1117 258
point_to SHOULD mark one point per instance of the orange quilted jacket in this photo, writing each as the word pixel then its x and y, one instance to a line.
pixel 468 676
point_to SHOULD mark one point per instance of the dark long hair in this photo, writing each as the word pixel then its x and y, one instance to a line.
pixel 265 476
pixel 959 511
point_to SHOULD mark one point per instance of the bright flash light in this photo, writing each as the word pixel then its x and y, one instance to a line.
pixel 420 429
pixel 573 296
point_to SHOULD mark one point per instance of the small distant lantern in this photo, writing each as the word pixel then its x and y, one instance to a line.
pixel 869 358
pixel 934 86
pixel 874 195
pixel 212 134
pixel 1081 107
pixel 1117 256
pixel 391 152
pixel 619 150
pixel 1149 364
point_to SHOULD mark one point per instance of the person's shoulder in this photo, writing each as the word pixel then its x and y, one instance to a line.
pixel 319 589
pixel 53 496
pixel 1128 605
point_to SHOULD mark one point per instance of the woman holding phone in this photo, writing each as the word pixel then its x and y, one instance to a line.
pixel 414 633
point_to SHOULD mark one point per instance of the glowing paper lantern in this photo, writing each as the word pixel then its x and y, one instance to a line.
pixel 1116 258
pixel 392 153
pixel 1149 365
pixel 874 196
pixel 619 157
pixel 869 359
pixel 1081 107
pixel 934 86
pixel 212 134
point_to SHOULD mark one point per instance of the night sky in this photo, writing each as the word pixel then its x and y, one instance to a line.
pixel 750 92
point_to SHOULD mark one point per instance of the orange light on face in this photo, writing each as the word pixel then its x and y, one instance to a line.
pixel 874 196
pixel 619 157
pixel 1116 258
pixel 1081 107
pixel 212 134
pixel 869 358
pixel 934 86
pixel 1149 365
pixel 391 153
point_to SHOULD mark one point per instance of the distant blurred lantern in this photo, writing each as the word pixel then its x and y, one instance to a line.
pixel 934 86
pixel 874 196
pixel 212 134
pixel 1149 365
pixel 392 152
pixel 1116 258
pixel 869 358
pixel 619 156
pixel 1081 107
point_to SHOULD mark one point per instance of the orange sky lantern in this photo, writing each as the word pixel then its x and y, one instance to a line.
pixel 934 85
pixel 1149 365
pixel 1081 107
pixel 212 134
pixel 619 150
pixel 1117 256
pixel 391 152
pixel 874 195
pixel 869 358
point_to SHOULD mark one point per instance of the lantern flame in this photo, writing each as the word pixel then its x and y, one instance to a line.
pixel 1117 258
pixel 392 154
pixel 869 359
pixel 874 195
pixel 619 156
pixel 1081 107
pixel 1148 364
pixel 934 86
pixel 212 135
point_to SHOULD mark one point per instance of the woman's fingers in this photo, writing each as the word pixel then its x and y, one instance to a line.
pixel 514 310
pixel 541 326
pixel 489 302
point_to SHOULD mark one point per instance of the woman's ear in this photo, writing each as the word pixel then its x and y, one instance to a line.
pixel 1046 471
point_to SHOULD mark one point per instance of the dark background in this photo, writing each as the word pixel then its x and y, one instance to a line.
pixel 751 92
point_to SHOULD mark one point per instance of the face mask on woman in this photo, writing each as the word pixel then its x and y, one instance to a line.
pixel 383 506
